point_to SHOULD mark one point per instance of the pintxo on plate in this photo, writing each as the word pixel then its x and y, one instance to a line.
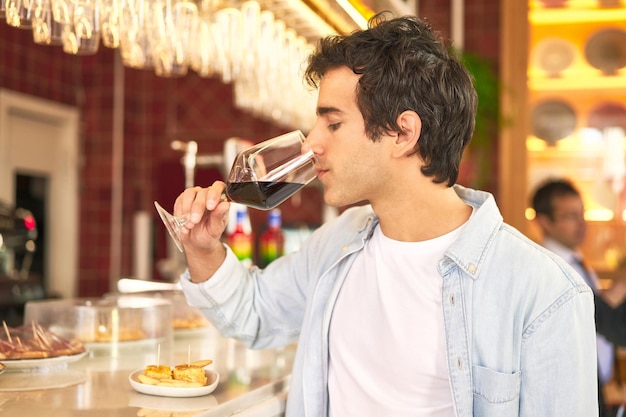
pixel 185 375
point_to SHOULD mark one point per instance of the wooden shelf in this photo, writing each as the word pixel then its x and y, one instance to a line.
pixel 591 83
pixel 576 15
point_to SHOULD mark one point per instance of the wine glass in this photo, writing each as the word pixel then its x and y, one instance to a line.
pixel 262 177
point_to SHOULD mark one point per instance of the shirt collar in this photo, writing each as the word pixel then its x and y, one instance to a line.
pixel 470 249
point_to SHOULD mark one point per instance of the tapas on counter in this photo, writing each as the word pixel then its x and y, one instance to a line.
pixel 184 380
pixel 34 346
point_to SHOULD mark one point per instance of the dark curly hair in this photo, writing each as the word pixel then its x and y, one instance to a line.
pixel 403 65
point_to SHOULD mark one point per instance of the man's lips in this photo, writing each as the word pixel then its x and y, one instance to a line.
pixel 320 172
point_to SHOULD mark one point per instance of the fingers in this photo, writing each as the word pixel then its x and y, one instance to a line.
pixel 184 204
pixel 195 202
pixel 214 195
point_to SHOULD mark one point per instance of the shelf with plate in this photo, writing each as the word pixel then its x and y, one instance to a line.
pixel 591 57
pixel 579 46
pixel 576 81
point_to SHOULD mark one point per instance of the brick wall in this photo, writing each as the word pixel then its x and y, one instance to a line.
pixel 156 111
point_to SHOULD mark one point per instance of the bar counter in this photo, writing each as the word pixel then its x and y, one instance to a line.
pixel 252 382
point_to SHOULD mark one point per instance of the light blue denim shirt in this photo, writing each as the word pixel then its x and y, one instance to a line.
pixel 519 321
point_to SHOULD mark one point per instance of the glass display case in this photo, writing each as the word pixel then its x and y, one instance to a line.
pixel 576 95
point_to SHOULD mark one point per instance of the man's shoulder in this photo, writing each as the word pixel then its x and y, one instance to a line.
pixel 517 245
pixel 514 261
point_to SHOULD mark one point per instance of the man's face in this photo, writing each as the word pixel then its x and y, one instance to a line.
pixel 568 225
pixel 352 168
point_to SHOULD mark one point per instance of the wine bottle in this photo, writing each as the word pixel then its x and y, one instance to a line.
pixel 272 241
pixel 241 240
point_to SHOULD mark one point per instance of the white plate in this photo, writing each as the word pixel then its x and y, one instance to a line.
pixel 17 364
pixel 212 376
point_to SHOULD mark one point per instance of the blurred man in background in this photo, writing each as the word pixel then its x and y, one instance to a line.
pixel 559 213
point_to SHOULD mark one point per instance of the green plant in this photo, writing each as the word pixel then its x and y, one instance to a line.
pixel 481 148
pixel 487 88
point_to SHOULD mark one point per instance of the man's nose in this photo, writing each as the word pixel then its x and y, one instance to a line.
pixel 315 140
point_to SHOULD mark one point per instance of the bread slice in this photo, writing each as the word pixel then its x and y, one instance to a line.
pixel 160 372
pixel 190 373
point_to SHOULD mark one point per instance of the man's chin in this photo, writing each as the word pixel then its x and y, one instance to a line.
pixel 332 200
pixel 342 202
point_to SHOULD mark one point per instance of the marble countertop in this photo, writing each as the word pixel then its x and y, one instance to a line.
pixel 97 385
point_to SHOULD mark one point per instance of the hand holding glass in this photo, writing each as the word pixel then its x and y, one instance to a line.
pixel 262 177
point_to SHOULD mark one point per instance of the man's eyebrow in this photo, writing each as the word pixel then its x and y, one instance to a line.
pixel 325 110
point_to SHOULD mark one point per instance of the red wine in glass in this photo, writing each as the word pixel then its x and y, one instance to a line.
pixel 263 195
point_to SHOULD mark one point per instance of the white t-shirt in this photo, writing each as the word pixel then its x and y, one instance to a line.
pixel 387 340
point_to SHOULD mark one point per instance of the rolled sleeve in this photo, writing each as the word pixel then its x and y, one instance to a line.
pixel 219 288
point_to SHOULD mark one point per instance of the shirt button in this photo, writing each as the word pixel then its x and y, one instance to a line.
pixel 344 248
pixel 471 268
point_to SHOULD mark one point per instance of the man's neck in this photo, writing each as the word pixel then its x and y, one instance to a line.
pixel 417 219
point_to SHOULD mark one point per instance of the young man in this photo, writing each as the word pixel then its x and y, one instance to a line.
pixel 559 214
pixel 422 303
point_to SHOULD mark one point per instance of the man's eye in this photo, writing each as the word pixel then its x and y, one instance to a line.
pixel 334 126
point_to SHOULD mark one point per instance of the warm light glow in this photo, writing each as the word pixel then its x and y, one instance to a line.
pixel 354 14
pixel 599 215
pixel 591 137
pixel 575 12
pixel 612 257
pixel 568 144
pixel 594 214
pixel 534 144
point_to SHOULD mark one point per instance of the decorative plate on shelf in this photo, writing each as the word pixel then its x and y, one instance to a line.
pixel 606 50
pixel 554 55
pixel 607 114
pixel 610 3
pixel 552 120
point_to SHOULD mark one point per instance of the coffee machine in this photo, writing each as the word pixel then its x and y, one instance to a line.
pixel 18 234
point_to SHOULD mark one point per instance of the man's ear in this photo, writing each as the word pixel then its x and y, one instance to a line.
pixel 411 125
pixel 543 221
